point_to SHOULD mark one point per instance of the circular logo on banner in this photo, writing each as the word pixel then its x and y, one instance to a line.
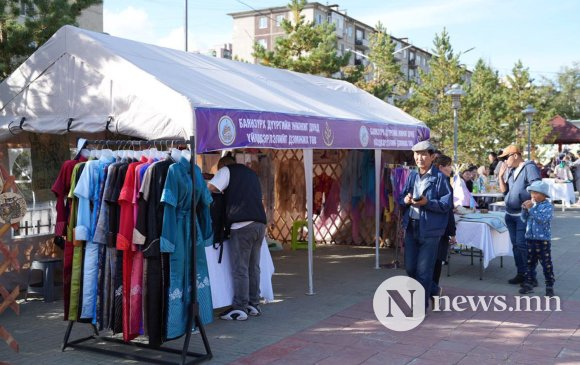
pixel 226 130
pixel 399 303
pixel 364 136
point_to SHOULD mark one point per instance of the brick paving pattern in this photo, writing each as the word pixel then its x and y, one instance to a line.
pixel 337 325
pixel 354 336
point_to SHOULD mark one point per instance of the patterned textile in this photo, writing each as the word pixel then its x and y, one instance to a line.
pixel 538 221
pixel 176 240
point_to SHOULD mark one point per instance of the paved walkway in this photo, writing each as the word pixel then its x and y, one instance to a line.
pixel 337 324
pixel 354 336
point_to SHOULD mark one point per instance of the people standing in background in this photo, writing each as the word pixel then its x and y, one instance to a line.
pixel 444 164
pixel 497 166
pixel 576 164
pixel 482 176
pixel 467 177
pixel 562 170
pixel 493 161
pixel 521 175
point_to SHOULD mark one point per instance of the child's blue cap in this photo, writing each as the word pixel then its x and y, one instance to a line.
pixel 539 187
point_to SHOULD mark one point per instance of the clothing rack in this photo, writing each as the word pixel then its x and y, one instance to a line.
pixel 395 263
pixel 193 312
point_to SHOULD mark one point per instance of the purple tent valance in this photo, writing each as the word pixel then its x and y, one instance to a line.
pixel 219 129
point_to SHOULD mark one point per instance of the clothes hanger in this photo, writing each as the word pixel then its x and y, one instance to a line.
pixel 186 154
pixel 175 153
pixel 85 153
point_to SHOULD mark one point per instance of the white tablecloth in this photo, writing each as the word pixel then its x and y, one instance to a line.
pixel 496 196
pixel 561 191
pixel 220 275
pixel 483 237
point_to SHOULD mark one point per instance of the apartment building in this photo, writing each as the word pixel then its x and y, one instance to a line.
pixel 91 18
pixel 221 51
pixel 264 26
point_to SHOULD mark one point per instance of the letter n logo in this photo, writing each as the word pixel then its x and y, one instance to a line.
pixel 399 303
pixel 397 298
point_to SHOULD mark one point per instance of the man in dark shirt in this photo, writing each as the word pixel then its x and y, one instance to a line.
pixel 246 219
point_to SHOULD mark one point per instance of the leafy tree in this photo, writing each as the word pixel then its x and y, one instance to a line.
pixel 428 101
pixel 20 38
pixel 566 92
pixel 386 77
pixel 307 47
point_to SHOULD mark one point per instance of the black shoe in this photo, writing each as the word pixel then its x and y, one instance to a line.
pixel 253 310
pixel 518 279
pixel 549 291
pixel 526 289
pixel 534 283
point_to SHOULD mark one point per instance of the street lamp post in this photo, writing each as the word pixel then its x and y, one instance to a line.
pixel 529 113
pixel 456 93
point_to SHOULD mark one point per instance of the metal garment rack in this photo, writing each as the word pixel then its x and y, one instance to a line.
pixel 194 305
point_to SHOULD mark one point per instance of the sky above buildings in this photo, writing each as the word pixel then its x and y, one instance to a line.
pixel 542 34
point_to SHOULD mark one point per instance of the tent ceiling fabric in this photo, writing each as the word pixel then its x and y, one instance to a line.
pixel 154 92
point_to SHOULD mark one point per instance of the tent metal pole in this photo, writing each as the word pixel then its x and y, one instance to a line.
pixel 377 204
pixel 308 168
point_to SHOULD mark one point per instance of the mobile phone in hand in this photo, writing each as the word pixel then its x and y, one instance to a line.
pixel 416 199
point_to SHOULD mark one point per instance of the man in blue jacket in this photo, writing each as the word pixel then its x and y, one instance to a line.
pixel 521 174
pixel 426 200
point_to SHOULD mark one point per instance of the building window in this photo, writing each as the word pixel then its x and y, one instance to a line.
pixel 319 19
pixel 263 43
pixel 263 22
pixel 279 19
pixel 349 31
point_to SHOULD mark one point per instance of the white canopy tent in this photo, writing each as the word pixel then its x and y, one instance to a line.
pixel 88 82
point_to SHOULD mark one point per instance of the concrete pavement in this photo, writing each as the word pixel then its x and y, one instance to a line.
pixel 337 325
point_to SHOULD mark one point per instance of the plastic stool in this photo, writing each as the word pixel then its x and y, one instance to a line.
pixel 47 286
pixel 295 243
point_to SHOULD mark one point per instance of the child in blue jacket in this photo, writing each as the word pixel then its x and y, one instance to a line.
pixel 537 214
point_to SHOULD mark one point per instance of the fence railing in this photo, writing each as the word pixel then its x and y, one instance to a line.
pixel 40 219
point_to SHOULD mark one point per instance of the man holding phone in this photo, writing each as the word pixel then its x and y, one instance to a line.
pixel 426 200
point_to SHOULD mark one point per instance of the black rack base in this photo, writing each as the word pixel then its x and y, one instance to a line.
pixel 194 357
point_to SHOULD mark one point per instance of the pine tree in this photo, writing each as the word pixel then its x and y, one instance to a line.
pixel 20 38
pixel 385 77
pixel 428 101
pixel 484 112
pixel 306 47
pixel 522 92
